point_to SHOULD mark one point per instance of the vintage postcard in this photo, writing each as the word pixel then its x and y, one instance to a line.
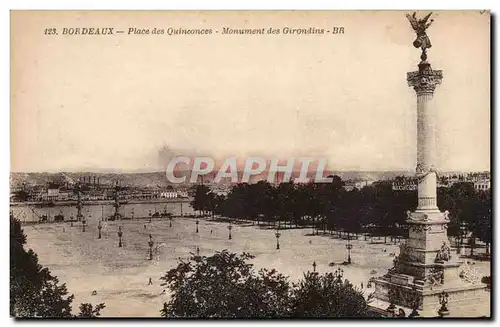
pixel 250 164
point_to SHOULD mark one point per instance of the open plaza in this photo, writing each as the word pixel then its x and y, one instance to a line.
pixel 120 275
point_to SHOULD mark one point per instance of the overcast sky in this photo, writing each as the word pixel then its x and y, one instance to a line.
pixel 129 102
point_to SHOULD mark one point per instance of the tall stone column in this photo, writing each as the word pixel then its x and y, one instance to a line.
pixel 424 82
pixel 425 268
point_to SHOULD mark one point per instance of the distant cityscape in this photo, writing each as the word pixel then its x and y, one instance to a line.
pixel 481 181
pixel 62 188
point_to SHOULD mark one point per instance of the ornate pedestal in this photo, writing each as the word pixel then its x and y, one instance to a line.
pixel 425 267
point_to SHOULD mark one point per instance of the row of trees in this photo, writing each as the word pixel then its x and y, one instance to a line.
pixel 225 285
pixel 34 291
pixel 376 209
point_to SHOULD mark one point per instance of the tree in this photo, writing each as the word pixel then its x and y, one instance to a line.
pixel 88 311
pixel 483 215
pixel 327 296
pixel 34 292
pixel 224 285
pixel 21 195
pixel 201 197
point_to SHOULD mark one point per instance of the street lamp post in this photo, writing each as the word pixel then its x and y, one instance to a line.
pixel 348 246
pixel 277 239
pixel 84 223
pixel 463 233
pixel 151 243
pixel 415 303
pixel 338 274
pixel 120 234
pixel 229 228
pixel 99 227
pixel 197 223
pixel 443 300
pixel 391 309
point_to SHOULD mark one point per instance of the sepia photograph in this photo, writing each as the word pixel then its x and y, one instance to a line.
pixel 323 164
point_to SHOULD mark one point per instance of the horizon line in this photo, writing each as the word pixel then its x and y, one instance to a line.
pixel 113 171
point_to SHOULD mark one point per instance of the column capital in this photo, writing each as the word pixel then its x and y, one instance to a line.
pixel 425 80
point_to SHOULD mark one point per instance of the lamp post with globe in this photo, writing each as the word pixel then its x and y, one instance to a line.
pixel 120 234
pixel 151 243
pixel 277 234
pixel 415 303
pixel 443 300
pixel 84 223
pixel 99 227
pixel 348 246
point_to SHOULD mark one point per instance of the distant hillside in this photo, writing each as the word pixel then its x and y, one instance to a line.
pixel 154 179
pixel 135 179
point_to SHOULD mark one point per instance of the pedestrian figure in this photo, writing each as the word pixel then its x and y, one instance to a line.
pixel 71 224
pixel 144 226
pixel 197 251
pixel 150 281
pixel 361 284
pixel 310 242
pixel 210 232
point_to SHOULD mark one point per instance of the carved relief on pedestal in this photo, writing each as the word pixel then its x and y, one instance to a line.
pixel 421 228
pixel 406 255
pixel 424 81
pixel 397 295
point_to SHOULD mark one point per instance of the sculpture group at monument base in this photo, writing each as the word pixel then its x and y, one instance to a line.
pixel 427 274
pixel 464 300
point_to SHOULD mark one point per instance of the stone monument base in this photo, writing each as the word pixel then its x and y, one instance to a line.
pixel 464 299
